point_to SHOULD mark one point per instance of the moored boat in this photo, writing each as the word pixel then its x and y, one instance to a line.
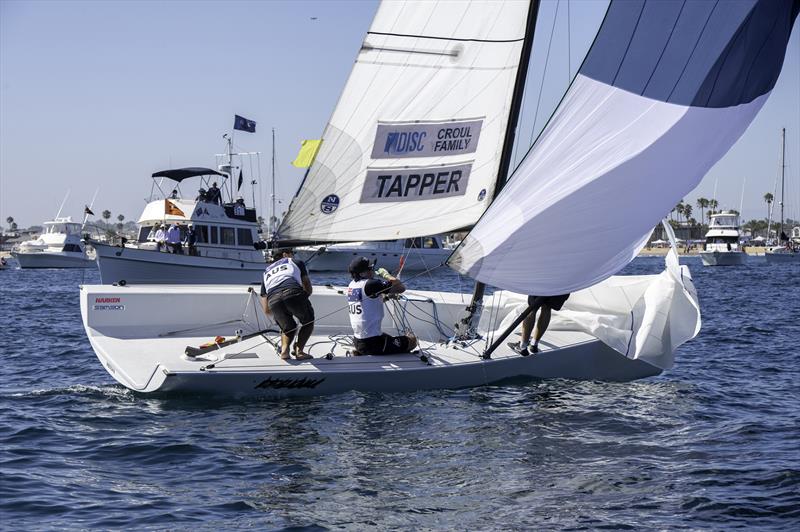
pixel 222 252
pixel 60 245
pixel 722 247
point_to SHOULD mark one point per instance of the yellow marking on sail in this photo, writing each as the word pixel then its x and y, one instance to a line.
pixel 308 151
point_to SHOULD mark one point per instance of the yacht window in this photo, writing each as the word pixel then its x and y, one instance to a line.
pixel 72 247
pixel 244 237
pixel 214 234
pixel 430 243
pixel 413 242
pixel 144 232
pixel 228 236
pixel 201 233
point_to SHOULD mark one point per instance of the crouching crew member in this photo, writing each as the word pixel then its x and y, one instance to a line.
pixel 365 305
pixel 284 294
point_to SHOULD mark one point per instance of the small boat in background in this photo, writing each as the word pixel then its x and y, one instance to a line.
pixel 59 246
pixel 722 246
pixel 789 251
pixel 414 254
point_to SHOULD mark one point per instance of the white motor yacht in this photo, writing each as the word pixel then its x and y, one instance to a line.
pixel 410 254
pixel 722 246
pixel 59 246
pixel 223 252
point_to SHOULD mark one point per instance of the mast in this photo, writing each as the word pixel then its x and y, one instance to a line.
pixel 783 173
pixel 463 328
pixel 271 223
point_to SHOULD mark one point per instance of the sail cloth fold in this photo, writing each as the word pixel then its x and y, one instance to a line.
pixel 414 143
pixel 666 89
pixel 644 317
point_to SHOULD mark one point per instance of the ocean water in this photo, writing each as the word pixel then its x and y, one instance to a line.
pixel 712 444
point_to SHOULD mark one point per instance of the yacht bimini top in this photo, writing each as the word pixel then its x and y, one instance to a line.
pixel 179 174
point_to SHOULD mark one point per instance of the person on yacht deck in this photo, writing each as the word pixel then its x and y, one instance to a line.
pixel 213 195
pixel 284 294
pixel 238 207
pixel 190 239
pixel 174 239
pixel 161 237
pixel 365 305
pixel 546 304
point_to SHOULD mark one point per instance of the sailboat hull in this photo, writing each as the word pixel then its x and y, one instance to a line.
pixel 723 258
pixel 44 259
pixel 142 266
pixel 140 334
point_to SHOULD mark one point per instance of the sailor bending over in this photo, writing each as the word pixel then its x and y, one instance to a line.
pixel 365 305
pixel 284 294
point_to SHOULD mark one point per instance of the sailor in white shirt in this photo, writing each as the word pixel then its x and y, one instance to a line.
pixel 284 294
pixel 365 305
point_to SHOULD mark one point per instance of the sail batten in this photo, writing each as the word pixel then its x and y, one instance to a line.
pixel 666 89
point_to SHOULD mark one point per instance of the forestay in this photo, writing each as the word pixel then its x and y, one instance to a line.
pixel 666 89
pixel 414 143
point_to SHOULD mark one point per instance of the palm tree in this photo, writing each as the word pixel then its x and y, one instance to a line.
pixel 687 211
pixel 712 204
pixel 120 218
pixel 768 197
pixel 702 203
pixel 106 215
pixel 679 209
pixel 10 220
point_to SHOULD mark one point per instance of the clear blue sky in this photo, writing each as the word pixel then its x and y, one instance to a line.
pixel 102 94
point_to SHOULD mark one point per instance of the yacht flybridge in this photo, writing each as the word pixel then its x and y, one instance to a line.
pixel 456 71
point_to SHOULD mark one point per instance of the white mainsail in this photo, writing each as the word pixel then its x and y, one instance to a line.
pixel 414 143
pixel 666 89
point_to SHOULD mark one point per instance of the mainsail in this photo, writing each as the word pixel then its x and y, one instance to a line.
pixel 414 144
pixel 666 89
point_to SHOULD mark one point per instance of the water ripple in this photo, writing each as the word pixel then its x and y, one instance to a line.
pixel 711 444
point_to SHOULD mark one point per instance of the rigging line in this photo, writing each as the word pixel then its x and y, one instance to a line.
pixel 544 74
pixel 444 38
pixel 569 47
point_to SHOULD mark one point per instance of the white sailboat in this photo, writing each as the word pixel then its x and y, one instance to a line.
pixel 406 254
pixel 644 119
pixel 789 251
pixel 225 232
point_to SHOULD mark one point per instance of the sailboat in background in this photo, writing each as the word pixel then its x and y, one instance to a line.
pixel 789 251
pixel 420 143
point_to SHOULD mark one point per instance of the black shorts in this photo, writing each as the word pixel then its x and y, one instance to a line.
pixel 553 302
pixel 289 303
pixel 382 345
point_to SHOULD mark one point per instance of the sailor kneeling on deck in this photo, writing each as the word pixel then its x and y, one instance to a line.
pixel 365 305
pixel 284 294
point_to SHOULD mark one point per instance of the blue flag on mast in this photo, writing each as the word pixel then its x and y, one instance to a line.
pixel 243 124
